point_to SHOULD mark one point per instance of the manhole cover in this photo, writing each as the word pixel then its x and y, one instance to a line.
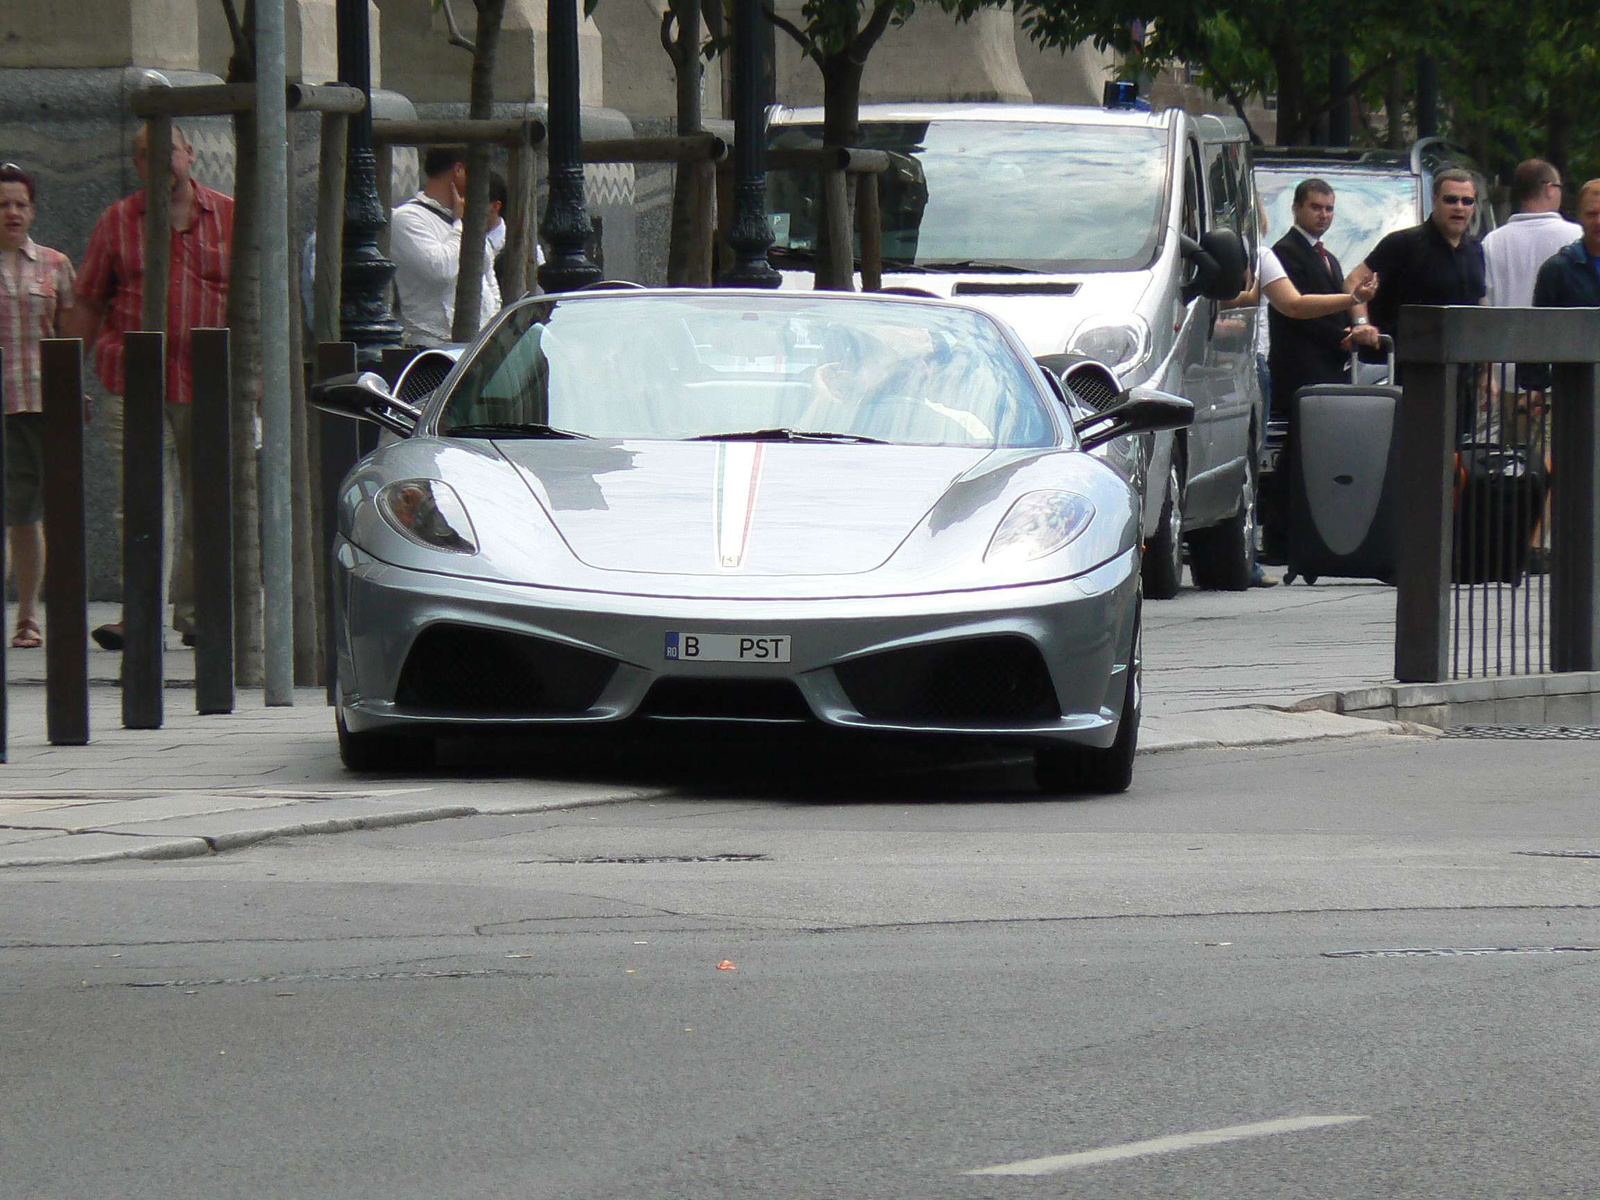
pixel 1459 951
pixel 638 859
pixel 1577 733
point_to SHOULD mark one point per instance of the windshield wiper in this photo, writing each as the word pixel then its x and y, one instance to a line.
pixel 786 435
pixel 988 266
pixel 513 429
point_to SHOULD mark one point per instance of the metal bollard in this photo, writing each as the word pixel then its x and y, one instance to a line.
pixel 143 487
pixel 340 448
pixel 213 523
pixel 3 548
pixel 66 584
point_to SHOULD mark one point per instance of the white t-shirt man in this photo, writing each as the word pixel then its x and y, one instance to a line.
pixel 425 244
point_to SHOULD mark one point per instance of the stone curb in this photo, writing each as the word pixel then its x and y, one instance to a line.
pixel 197 847
pixel 1388 728
pixel 1565 698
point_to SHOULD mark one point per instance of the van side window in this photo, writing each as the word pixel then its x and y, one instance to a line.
pixel 1193 213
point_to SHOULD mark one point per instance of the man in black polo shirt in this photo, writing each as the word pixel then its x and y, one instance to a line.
pixel 1437 262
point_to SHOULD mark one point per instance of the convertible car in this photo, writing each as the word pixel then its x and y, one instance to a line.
pixel 871 512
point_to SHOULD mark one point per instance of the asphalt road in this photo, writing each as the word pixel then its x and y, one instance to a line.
pixel 933 973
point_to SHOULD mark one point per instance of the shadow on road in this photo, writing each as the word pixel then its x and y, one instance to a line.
pixel 797 766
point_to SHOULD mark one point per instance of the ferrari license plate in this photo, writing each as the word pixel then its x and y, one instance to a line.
pixel 728 647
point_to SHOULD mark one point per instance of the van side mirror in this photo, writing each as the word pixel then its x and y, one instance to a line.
pixel 1137 410
pixel 1220 264
pixel 365 396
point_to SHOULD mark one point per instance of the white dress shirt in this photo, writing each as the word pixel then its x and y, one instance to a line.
pixel 425 244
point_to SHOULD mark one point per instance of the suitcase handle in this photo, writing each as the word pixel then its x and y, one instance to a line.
pixel 1386 344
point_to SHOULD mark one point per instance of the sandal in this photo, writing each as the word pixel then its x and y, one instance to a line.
pixel 27 636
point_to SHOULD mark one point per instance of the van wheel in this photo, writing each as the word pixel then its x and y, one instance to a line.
pixel 1223 558
pixel 1079 770
pixel 1162 568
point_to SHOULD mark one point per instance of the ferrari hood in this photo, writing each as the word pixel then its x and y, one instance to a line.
pixel 721 508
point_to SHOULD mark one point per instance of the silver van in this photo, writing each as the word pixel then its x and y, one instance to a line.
pixel 1111 233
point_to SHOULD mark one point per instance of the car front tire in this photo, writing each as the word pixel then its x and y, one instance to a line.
pixel 383 751
pixel 1088 770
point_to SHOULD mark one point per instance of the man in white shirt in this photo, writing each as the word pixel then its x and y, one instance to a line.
pixel 1512 256
pixel 425 244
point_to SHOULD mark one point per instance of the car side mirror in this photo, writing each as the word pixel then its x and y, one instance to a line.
pixel 365 396
pixel 1137 410
pixel 1220 265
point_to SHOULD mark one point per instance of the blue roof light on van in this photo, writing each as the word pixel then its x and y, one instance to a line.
pixel 1124 93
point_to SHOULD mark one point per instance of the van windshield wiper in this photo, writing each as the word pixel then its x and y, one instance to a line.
pixel 988 266
pixel 513 429
pixel 786 435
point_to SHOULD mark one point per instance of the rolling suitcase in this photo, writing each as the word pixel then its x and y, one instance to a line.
pixel 1342 479
pixel 1500 492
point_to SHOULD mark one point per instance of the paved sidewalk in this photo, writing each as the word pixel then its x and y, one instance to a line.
pixel 1220 670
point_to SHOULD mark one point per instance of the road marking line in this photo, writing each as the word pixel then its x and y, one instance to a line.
pixel 1163 1145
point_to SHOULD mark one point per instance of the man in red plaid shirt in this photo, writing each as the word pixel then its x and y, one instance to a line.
pixel 109 300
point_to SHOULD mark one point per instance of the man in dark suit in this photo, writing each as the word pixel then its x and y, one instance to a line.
pixel 1305 351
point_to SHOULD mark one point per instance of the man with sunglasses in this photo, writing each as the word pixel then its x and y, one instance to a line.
pixel 1437 262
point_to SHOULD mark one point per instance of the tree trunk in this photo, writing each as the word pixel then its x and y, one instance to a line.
pixel 244 355
pixel 690 70
pixel 475 220
pixel 1289 66
pixel 841 126
pixel 1395 101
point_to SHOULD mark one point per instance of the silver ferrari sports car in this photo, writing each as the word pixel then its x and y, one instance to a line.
pixel 871 512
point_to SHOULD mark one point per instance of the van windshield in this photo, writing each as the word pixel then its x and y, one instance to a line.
pixel 993 195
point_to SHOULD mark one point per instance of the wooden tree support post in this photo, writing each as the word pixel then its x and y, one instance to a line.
pixel 143 487
pixel 66 591
pixel 833 164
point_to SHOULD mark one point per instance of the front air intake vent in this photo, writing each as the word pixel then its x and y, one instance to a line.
pixel 422 375
pixel 683 698
pixel 1092 386
pixel 1013 287
pixel 980 681
pixel 467 671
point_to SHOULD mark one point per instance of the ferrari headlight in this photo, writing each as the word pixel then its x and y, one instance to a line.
pixel 1039 523
pixel 1122 343
pixel 429 513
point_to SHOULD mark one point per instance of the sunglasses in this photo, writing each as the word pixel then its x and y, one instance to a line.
pixel 1468 201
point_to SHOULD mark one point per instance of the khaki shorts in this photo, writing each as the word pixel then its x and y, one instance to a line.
pixel 24 468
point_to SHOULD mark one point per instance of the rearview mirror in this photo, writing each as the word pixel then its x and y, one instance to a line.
pixel 365 397
pixel 1137 410
pixel 1220 265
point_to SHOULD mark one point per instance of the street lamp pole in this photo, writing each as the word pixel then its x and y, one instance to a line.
pixel 364 316
pixel 566 227
pixel 749 233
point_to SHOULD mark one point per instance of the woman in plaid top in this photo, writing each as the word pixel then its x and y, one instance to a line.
pixel 36 289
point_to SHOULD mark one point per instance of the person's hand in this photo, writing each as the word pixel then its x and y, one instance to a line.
pixel 458 202
pixel 1360 335
pixel 1366 289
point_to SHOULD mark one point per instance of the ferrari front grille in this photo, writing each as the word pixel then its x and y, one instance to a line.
pixel 978 681
pixel 680 698
pixel 465 670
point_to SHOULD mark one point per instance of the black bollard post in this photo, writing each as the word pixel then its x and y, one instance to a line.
pixel 213 523
pixel 340 448
pixel 66 583
pixel 3 548
pixel 143 486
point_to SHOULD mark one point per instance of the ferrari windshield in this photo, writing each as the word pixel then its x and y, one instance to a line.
pixel 761 368
pixel 987 195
